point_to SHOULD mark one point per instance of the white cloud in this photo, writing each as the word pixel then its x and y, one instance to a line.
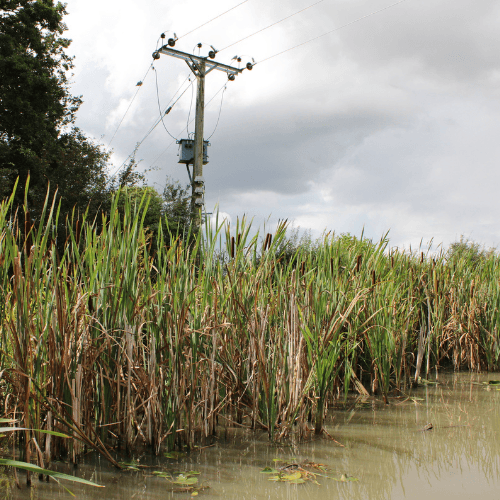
pixel 390 123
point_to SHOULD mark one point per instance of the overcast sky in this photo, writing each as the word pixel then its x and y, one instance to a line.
pixel 391 123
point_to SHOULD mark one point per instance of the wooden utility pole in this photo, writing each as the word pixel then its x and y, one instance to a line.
pixel 198 184
pixel 200 66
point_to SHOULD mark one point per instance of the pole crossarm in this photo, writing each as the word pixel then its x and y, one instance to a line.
pixel 196 61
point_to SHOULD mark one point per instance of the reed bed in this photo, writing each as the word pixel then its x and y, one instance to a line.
pixel 119 341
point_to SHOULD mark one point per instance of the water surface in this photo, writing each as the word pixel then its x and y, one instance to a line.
pixel 382 446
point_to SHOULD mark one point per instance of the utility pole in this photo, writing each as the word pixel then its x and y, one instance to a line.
pixel 198 184
pixel 200 66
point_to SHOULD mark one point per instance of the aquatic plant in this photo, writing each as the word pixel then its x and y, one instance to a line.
pixel 120 340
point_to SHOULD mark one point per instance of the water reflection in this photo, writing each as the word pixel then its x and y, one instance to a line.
pixel 383 446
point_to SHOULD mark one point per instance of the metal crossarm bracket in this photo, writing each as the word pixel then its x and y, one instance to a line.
pixel 193 61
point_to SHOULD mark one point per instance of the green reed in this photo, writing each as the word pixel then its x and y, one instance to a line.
pixel 120 339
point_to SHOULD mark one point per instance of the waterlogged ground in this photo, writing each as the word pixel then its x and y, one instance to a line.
pixel 385 454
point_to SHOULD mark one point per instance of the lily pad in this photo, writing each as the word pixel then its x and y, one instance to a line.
pixel 160 473
pixel 292 477
pixel 269 470
pixel 185 481
pixel 345 478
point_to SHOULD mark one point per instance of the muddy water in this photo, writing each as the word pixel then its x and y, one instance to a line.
pixel 383 447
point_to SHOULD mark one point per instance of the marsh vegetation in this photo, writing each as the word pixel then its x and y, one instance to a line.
pixel 120 339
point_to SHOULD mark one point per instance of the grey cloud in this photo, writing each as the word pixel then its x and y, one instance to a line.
pixel 456 39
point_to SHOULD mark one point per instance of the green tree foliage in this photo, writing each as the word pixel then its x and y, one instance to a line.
pixel 172 210
pixel 150 199
pixel 37 110
pixel 177 210
pixel 469 252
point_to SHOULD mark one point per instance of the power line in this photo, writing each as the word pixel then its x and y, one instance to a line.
pixel 171 104
pixel 178 90
pixel 216 17
pixel 220 110
pixel 139 85
pixel 273 24
pixel 159 106
pixel 331 31
pixel 138 145
pixel 185 128
pixel 156 122
pixel 190 107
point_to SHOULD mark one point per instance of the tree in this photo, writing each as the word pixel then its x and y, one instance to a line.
pixel 133 195
pixel 37 110
pixel 172 210
pixel 177 207
pixel 468 252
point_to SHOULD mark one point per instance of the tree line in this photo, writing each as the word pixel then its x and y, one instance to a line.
pixel 38 136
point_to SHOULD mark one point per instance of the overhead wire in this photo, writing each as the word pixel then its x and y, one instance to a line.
pixel 190 107
pixel 220 110
pixel 141 82
pixel 169 106
pixel 157 122
pixel 331 31
pixel 216 17
pixel 185 128
pixel 159 106
pixel 224 86
pixel 144 78
pixel 178 90
pixel 139 86
pixel 271 25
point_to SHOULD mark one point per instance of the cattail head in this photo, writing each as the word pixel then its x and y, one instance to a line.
pixel 358 263
pixel 78 229
pixel 27 231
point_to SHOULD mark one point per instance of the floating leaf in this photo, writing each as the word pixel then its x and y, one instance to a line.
pixel 298 481
pixel 292 476
pixel 269 470
pixel 494 382
pixel 344 478
pixel 185 481
pixel 161 473
pixel 174 455
pixel 194 494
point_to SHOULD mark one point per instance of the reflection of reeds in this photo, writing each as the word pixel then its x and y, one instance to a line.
pixel 113 338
